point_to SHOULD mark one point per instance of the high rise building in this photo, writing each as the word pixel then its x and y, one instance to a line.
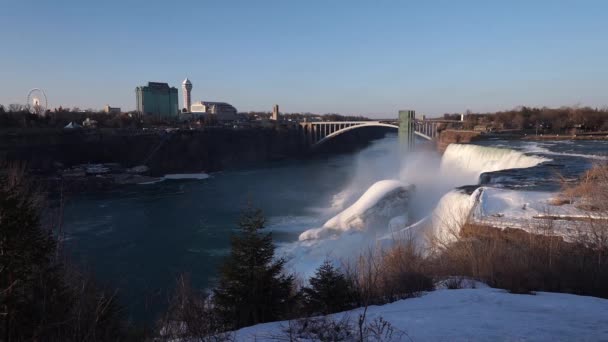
pixel 187 89
pixel 275 112
pixel 157 99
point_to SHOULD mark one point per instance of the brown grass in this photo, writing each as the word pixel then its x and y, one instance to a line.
pixel 591 192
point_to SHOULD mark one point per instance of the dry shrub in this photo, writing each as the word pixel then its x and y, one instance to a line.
pixel 322 328
pixel 382 276
pixel 405 273
pixel 537 259
pixel 191 316
pixel 522 262
pixel 591 192
pixel 327 328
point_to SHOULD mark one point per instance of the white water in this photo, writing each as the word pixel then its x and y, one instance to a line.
pixel 436 211
pixel 535 147
pixel 470 161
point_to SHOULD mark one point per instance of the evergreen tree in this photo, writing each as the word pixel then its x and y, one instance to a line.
pixel 28 278
pixel 253 287
pixel 329 291
pixel 37 302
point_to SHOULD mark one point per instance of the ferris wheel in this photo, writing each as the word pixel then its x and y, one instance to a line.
pixel 37 102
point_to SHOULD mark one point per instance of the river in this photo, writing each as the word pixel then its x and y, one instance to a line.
pixel 139 238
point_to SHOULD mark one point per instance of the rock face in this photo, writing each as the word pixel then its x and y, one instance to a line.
pixel 182 151
pixel 373 211
pixel 448 137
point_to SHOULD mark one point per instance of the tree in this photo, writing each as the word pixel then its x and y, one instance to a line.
pixel 329 291
pixel 191 316
pixel 26 258
pixel 253 287
pixel 16 108
pixel 40 300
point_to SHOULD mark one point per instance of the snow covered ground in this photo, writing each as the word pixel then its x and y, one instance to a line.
pixel 481 314
pixel 526 210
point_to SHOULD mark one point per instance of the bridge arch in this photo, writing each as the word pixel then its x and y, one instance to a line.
pixel 360 125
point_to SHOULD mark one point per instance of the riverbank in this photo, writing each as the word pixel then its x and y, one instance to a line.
pixel 450 136
pixel 61 156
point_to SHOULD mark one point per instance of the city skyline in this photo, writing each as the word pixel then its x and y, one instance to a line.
pixel 342 57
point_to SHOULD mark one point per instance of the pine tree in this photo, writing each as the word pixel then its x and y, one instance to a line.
pixel 26 260
pixel 253 287
pixel 37 302
pixel 329 291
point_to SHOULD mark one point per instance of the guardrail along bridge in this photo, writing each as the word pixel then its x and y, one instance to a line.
pixel 319 132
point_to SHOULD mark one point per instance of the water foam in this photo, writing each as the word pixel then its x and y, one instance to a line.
pixel 538 148
pixel 470 161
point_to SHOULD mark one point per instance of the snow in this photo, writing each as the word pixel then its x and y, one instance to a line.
pixel 519 204
pixel 354 216
pixel 527 210
pixel 480 314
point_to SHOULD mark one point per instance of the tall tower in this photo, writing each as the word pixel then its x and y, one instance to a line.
pixel 275 112
pixel 407 129
pixel 187 88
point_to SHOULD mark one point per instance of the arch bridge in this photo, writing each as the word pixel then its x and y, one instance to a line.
pixel 319 132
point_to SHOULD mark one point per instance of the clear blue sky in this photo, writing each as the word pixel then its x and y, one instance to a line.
pixel 364 57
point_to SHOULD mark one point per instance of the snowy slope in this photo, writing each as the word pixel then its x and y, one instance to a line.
pixel 482 314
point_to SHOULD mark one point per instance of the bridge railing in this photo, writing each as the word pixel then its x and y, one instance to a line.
pixel 316 131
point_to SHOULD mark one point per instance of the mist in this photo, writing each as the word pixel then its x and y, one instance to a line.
pixel 435 206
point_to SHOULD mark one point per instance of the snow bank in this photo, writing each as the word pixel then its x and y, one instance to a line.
pixel 481 314
pixel 384 200
pixel 473 160
pixel 528 210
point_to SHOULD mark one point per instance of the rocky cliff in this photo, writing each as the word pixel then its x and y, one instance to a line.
pixel 164 152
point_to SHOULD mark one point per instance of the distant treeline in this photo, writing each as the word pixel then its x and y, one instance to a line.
pixel 556 120
pixel 308 116
pixel 548 120
pixel 20 116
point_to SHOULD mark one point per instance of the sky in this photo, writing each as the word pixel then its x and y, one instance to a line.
pixel 350 57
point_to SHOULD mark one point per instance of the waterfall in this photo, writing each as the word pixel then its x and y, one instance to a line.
pixel 470 161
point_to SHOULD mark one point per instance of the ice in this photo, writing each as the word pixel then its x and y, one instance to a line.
pixel 450 215
pixel 383 199
pixel 530 211
pixel 437 210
